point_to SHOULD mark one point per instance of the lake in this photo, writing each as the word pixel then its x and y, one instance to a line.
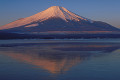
pixel 92 59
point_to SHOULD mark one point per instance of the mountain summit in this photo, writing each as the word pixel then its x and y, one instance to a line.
pixel 56 18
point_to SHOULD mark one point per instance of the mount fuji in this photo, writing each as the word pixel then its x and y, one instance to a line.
pixel 57 19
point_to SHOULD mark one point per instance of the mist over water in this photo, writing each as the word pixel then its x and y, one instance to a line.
pixel 60 59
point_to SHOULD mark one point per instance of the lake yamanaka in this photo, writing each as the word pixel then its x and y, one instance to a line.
pixel 92 59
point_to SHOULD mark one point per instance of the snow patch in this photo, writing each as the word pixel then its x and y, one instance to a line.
pixel 32 25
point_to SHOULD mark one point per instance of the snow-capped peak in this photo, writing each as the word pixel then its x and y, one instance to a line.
pixel 54 11
pixel 61 12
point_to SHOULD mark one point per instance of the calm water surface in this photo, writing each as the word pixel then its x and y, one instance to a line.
pixel 60 59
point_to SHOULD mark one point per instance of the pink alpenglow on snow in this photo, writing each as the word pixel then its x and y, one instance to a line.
pixel 54 11
pixel 57 19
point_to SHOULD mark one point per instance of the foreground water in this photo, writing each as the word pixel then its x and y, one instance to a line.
pixel 60 59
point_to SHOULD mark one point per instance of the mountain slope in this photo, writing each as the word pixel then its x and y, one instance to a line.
pixel 56 18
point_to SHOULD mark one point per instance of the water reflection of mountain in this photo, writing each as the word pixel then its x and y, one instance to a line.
pixel 57 57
